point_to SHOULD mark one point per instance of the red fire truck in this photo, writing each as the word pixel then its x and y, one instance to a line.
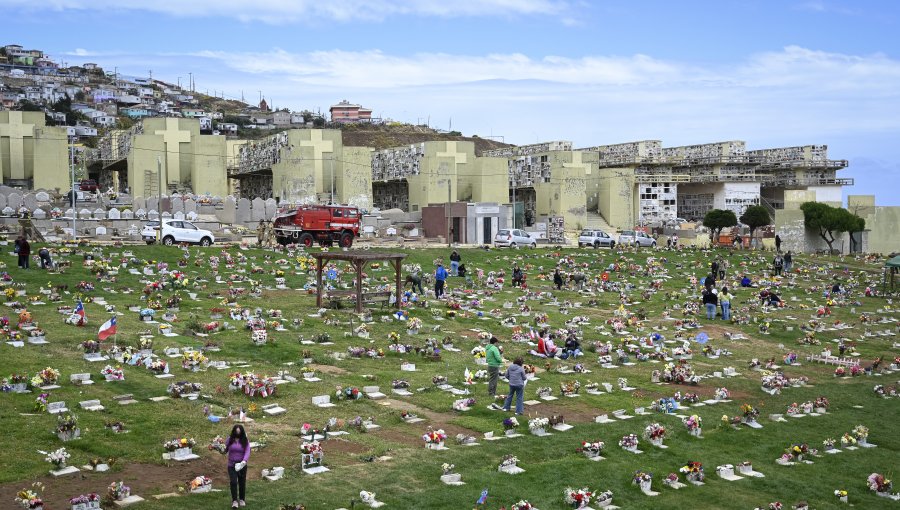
pixel 323 224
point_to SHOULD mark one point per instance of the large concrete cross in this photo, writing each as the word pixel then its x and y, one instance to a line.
pixel 453 152
pixel 17 131
pixel 173 138
pixel 320 147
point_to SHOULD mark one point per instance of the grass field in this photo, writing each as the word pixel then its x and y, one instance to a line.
pixel 392 461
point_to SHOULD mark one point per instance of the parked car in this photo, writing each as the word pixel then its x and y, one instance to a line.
pixel 636 238
pixel 88 185
pixel 176 231
pixel 513 238
pixel 595 238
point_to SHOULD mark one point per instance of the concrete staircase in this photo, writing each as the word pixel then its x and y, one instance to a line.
pixel 597 222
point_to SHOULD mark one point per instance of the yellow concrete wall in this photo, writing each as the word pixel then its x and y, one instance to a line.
pixel 612 205
pixel 882 223
pixel 51 160
pixel 490 182
pixel 143 156
pixel 354 183
pixel 208 166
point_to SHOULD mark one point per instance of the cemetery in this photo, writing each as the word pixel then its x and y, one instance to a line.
pixel 351 402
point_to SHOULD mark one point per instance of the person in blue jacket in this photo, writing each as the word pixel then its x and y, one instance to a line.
pixel 439 276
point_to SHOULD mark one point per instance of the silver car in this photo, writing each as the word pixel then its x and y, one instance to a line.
pixel 595 238
pixel 513 238
pixel 636 238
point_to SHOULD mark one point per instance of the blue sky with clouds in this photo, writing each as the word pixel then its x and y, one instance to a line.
pixel 772 73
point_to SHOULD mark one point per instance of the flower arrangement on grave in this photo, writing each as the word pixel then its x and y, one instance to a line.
pixel 821 403
pixel 178 389
pixel 722 394
pixel 66 424
pixel 199 483
pixel 348 393
pixel 569 388
pixel 578 498
pixel 591 448
pixel 629 442
pixel 841 494
pixel 510 423
pixel 311 448
pixel 544 391
pixel 432 436
pixel 693 471
pixel 508 461
pixel 413 324
pixel 693 423
pixel 193 360
pixel 399 384
pixel 861 433
pixel 878 483
pixel 641 477
pixel 829 443
pixel 840 372
pixel 45 377
pixel 113 373
pixel 479 352
pixel 31 498
pixel 438 380
pixel 217 444
pixel 177 443
pixel 463 439
pixel 40 403
pixel 212 327
pixel 158 366
pixel 750 412
pixel 793 409
pixel 58 458
pixel 798 450
pixel 654 433
pixel 90 346
pixel 537 424
pixel 848 440
pixel 116 426
pixel 85 498
pixel 117 491
pixel 463 404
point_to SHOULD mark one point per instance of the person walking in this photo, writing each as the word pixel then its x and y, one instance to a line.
pixel 788 261
pixel 777 243
pixel 723 265
pixel 237 447
pixel 24 253
pixel 714 268
pixel 777 264
pixel 515 374
pixel 439 276
pixel 454 263
pixel 494 362
pixel 725 302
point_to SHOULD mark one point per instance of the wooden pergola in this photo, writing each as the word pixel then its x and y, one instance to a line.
pixel 358 259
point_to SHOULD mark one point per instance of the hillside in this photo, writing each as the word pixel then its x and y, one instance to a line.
pixel 395 135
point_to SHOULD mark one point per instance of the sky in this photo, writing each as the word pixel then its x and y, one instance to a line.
pixel 772 73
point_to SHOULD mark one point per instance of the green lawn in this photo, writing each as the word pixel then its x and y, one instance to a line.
pixel 410 478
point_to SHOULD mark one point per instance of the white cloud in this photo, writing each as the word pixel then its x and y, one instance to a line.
pixel 288 11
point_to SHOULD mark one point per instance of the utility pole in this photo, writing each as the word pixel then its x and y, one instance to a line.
pixel 514 200
pixel 74 194
pixel 449 219
pixel 191 81
pixel 331 166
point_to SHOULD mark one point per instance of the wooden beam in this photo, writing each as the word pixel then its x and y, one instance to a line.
pixel 318 283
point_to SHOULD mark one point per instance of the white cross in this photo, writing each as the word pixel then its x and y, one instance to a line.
pixel 173 138
pixel 320 146
pixel 17 131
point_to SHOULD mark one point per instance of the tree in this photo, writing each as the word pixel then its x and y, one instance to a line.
pixel 319 122
pixel 828 221
pixel 717 219
pixel 756 216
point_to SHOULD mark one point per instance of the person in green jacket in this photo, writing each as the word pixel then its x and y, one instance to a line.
pixel 495 362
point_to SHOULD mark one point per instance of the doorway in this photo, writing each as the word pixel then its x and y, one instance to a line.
pixel 488 234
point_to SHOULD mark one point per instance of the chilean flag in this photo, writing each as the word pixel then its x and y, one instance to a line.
pixel 79 309
pixel 107 329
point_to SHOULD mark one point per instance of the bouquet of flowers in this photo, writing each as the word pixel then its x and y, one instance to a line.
pixel 118 491
pixel 860 432
pixel 798 450
pixel 192 360
pixel 438 380
pixel 158 366
pixel 310 448
pixel 878 483
pixel 578 498
pixel 85 498
pixel 45 377
pixel 510 423
pixel 180 388
pixel 536 424
pixel 654 432
pixel 58 458
pixel 693 422
pixel 66 424
pixel 521 505
pixel 750 412
pixel 829 443
pixel 349 393
pixel 693 471
pixel 841 494
pixel 218 444
pixel 174 444
pixel 113 374
pixel 722 394
pixel 463 404
pixel 569 388
pixel 508 461
pixel 629 442
pixel 414 324
pixel 399 384
pixel 848 440
pixel 641 477
pixel 840 372
pixel 432 436
pixel 592 448
pixel 90 346
pixel 30 498
pixel 199 483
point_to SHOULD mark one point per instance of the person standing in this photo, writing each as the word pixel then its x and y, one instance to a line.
pixel 788 261
pixel 515 374
pixel 260 233
pixel 725 302
pixel 711 302
pixel 714 268
pixel 439 276
pixel 777 264
pixel 454 263
pixel 723 265
pixel 494 362
pixel 557 279
pixel 237 447
pixel 777 243
pixel 24 253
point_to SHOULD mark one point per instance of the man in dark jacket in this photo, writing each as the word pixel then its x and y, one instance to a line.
pixel 24 253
